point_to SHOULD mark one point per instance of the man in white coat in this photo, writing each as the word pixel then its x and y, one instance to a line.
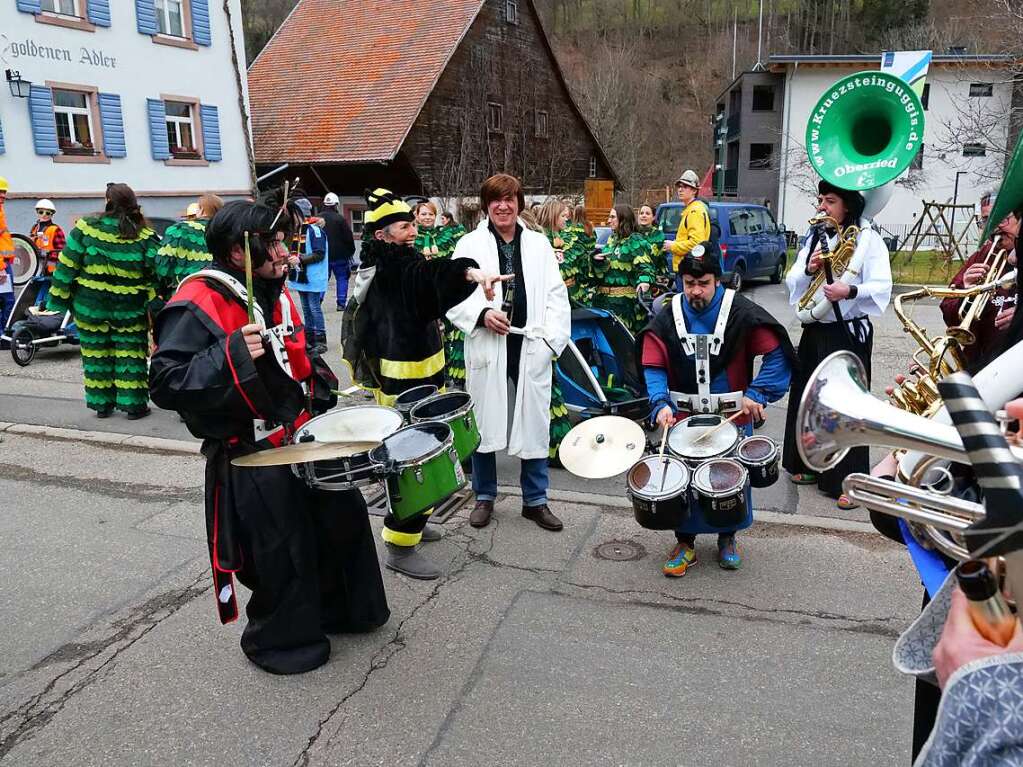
pixel 518 334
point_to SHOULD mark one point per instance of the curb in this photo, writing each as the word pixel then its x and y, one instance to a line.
pixel 183 447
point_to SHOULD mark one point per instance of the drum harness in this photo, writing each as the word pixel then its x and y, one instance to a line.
pixel 272 337
pixel 703 347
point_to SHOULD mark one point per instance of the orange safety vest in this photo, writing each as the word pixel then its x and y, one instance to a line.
pixel 6 241
pixel 43 239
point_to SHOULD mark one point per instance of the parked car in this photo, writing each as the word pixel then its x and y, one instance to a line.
pixel 752 243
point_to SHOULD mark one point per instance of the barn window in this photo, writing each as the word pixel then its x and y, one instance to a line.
pixel 511 11
pixel 495 117
pixel 593 166
pixel 541 124
pixel 974 150
pixel 981 89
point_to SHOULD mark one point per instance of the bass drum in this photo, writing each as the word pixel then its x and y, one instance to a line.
pixel 659 490
pixel 27 263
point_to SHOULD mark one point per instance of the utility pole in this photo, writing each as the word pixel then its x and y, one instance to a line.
pixel 760 33
pixel 735 37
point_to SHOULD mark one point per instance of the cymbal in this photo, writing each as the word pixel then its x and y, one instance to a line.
pixel 602 447
pixel 303 452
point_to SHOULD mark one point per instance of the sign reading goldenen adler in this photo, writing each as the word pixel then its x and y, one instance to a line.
pixel 29 48
pixel 865 130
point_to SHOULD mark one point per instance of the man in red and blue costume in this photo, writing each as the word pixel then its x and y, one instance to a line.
pixel 307 555
pixel 746 332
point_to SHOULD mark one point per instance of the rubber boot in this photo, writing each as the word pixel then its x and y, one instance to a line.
pixel 408 561
pixel 431 534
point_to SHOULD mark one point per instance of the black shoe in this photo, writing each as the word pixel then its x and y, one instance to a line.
pixel 135 415
pixel 481 513
pixel 543 517
pixel 408 561
pixel 340 308
pixel 105 413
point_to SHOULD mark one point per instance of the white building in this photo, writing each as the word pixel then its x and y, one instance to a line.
pixel 967 103
pixel 151 93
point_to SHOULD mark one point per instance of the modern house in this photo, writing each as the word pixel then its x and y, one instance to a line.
pixel 967 101
pixel 427 97
pixel 150 93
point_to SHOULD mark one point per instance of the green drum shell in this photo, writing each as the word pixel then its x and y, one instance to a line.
pixel 419 485
pixel 464 431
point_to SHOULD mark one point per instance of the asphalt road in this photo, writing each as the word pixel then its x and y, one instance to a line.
pixel 534 648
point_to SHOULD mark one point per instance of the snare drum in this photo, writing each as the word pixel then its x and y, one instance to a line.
pixel 409 398
pixel 659 489
pixel 683 439
pixel 454 409
pixel 759 455
pixel 364 422
pixel 421 466
pixel 719 488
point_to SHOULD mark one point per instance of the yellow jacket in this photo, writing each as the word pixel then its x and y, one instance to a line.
pixel 693 229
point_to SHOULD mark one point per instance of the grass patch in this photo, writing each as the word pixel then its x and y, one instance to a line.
pixel 927 267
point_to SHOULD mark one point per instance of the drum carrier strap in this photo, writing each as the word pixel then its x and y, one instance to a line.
pixel 703 347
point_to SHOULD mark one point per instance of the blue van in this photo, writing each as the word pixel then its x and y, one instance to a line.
pixel 752 243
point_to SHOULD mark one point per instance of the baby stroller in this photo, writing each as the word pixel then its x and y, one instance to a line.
pixel 30 328
pixel 597 371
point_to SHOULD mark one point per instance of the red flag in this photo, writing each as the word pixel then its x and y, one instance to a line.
pixel 707 185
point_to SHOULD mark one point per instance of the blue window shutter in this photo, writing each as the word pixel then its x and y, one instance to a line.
pixel 113 125
pixel 145 13
pixel 30 6
pixel 2 148
pixel 98 12
pixel 201 34
pixel 211 133
pixel 40 112
pixel 158 129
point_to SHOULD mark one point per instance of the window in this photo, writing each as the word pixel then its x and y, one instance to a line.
pixel 974 150
pixel 511 11
pixel 767 222
pixel 763 98
pixel 593 166
pixel 918 159
pixel 358 221
pixel 170 17
pixel 495 115
pixel 541 124
pixel 735 101
pixel 72 111
pixel 181 130
pixel 926 97
pixel 761 156
pixel 740 222
pixel 63 7
pixel 981 89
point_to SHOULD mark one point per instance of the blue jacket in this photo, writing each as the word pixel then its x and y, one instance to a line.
pixel 313 277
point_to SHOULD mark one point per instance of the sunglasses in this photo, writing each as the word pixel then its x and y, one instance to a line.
pixel 43 212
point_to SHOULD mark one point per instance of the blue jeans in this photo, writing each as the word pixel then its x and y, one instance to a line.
pixel 7 299
pixel 341 270
pixel 532 479
pixel 312 313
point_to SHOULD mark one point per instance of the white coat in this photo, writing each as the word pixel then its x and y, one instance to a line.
pixel 548 318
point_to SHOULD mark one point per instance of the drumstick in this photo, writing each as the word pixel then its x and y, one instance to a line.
pixel 711 431
pixel 248 281
pixel 664 464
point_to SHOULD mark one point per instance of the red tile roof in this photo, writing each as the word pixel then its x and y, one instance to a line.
pixel 344 80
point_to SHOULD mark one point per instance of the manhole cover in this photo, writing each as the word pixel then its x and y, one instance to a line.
pixel 620 551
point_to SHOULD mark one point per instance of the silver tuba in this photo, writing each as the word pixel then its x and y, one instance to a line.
pixel 837 412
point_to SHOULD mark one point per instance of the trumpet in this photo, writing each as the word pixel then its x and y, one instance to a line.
pixel 995 261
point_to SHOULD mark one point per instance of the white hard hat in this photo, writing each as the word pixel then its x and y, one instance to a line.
pixel 689 178
pixel 331 200
pixel 45 204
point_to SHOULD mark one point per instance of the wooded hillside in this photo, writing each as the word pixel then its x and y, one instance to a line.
pixel 646 73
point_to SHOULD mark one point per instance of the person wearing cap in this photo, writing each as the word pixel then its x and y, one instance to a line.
pixel 748 331
pixel 694 226
pixel 391 336
pixel 859 296
pixel 340 246
pixel 183 250
pixel 311 277
pixel 49 240
pixel 6 260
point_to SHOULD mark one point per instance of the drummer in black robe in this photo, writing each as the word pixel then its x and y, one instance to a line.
pixel 307 555
pixel 392 338
pixel 737 331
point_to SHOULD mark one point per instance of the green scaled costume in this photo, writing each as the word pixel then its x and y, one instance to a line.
pixel 182 252
pixel 575 264
pixel 655 239
pixel 107 282
pixel 626 265
pixel 444 238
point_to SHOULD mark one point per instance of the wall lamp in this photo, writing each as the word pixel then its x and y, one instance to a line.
pixel 19 87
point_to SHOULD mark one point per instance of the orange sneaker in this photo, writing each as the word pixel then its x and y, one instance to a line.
pixel 682 558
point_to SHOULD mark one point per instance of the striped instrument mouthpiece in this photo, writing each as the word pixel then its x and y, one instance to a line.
pixel 997 471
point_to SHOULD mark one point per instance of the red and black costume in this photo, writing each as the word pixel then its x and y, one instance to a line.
pixel 307 555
